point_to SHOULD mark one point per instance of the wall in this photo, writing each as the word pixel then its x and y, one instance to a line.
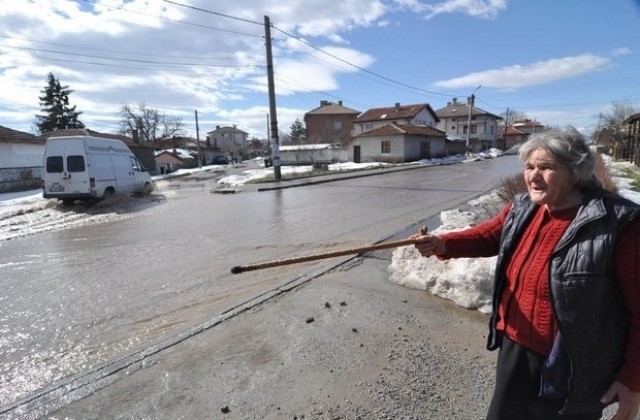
pixel 370 149
pixel 310 155
pixel 20 166
pixel 320 128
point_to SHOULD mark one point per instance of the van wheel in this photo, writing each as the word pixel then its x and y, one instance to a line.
pixel 108 193
pixel 147 189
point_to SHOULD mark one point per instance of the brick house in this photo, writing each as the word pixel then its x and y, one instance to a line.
pixel 330 123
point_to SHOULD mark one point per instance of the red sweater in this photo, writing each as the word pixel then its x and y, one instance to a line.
pixel 525 311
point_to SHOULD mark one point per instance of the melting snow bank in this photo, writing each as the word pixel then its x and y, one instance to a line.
pixel 468 282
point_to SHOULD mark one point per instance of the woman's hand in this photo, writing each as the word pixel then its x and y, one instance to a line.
pixel 628 401
pixel 428 245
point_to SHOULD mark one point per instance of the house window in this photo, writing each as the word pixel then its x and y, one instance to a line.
pixel 368 126
pixel 385 146
pixel 337 125
pixel 474 129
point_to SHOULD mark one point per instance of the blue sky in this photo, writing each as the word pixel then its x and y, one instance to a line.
pixel 561 62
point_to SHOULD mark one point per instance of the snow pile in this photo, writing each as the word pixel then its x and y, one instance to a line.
pixel 468 282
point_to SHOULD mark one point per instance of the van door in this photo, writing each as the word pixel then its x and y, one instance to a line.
pixel 124 174
pixel 66 169
pixel 142 179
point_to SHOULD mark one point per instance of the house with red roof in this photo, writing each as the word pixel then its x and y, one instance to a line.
pixel 400 133
pixel 397 143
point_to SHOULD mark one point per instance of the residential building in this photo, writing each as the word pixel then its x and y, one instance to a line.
pixel 519 131
pixel 417 114
pixel 171 160
pixel 228 141
pixel 454 121
pixel 20 160
pixel 630 148
pixel 330 123
pixel 397 143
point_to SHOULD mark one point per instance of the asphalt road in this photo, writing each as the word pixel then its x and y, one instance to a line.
pixel 138 316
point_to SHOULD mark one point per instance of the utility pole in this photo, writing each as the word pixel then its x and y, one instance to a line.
pixel 506 127
pixel 198 140
pixel 470 101
pixel 272 102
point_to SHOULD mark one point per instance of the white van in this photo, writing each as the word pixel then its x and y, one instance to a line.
pixel 85 167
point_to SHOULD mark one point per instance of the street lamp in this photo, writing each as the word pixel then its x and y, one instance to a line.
pixel 471 101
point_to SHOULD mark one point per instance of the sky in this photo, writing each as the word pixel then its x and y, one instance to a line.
pixel 557 62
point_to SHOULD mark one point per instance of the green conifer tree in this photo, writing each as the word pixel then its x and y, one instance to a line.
pixel 54 103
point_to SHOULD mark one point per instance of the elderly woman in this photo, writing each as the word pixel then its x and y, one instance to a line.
pixel 566 300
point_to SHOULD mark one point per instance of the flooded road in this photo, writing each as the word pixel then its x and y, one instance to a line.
pixel 78 297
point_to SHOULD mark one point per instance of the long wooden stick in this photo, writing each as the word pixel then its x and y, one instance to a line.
pixel 268 264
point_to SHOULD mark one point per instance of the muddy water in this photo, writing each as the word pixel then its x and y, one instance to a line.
pixel 74 298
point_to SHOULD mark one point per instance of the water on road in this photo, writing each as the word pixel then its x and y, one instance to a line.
pixel 76 297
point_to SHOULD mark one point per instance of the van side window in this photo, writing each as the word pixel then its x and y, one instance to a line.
pixel 75 163
pixel 54 164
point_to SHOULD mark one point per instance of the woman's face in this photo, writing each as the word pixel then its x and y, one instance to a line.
pixel 548 181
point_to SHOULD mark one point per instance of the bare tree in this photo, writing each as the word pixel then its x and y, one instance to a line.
pixel 611 130
pixel 149 123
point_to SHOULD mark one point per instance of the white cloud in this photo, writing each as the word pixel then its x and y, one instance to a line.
pixel 622 51
pixel 538 73
pixel 484 9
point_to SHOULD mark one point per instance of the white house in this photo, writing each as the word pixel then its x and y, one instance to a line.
pixel 454 121
pixel 228 141
pixel 20 160
pixel 395 143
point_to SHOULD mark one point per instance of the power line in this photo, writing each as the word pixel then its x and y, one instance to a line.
pixel 385 78
pixel 377 75
pixel 173 20
pixel 56 44
pixel 215 13
pixel 132 60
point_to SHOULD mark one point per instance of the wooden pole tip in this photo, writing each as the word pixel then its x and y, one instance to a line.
pixel 236 270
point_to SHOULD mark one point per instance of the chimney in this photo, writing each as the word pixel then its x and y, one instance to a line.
pixel 397 106
pixel 324 103
pixel 340 102
pixel 134 135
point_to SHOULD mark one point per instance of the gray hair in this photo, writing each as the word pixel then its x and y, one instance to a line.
pixel 569 147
